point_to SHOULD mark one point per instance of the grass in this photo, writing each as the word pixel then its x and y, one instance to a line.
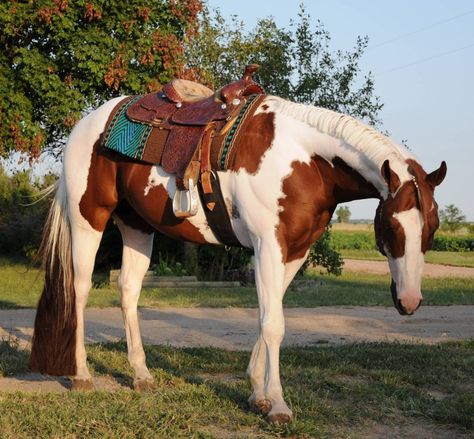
pixel 459 259
pixel 20 288
pixel 341 392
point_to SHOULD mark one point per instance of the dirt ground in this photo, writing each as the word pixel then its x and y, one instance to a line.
pixel 236 328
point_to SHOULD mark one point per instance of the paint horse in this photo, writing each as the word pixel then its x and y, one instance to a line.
pixel 293 165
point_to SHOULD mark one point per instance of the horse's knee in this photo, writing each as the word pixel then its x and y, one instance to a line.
pixel 129 294
pixel 273 330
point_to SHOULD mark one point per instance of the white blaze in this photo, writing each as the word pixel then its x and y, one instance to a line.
pixel 407 270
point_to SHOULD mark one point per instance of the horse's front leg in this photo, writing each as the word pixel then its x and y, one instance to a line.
pixel 257 365
pixel 271 280
pixel 137 247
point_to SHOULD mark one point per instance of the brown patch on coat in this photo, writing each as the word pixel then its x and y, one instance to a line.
pixel 388 231
pixel 131 219
pixel 155 208
pixel 101 197
pixel 116 184
pixel 311 193
pixel 252 143
pixel 427 204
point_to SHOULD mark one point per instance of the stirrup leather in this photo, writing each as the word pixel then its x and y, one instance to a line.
pixel 190 198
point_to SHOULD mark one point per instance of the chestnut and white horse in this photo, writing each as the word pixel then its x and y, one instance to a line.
pixel 293 165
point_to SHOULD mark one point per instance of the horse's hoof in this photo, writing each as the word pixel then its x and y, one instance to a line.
pixel 79 385
pixel 280 414
pixel 261 406
pixel 144 385
pixel 279 418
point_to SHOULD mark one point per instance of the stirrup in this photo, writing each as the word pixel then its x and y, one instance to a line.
pixel 191 201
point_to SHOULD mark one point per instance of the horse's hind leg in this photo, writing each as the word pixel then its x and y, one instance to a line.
pixel 137 247
pixel 85 242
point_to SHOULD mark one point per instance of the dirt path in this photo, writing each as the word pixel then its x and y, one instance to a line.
pixel 235 328
pixel 431 270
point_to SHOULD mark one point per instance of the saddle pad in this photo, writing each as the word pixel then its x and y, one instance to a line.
pixel 132 139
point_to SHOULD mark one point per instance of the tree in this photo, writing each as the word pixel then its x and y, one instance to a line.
pixel 452 219
pixel 20 222
pixel 296 63
pixel 59 58
pixel 343 214
pixel 323 254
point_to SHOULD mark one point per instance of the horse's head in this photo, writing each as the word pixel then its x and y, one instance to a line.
pixel 405 223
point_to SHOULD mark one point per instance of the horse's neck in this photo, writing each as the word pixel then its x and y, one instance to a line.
pixel 348 173
pixel 342 183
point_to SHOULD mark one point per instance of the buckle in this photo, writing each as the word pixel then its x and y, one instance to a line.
pixel 190 200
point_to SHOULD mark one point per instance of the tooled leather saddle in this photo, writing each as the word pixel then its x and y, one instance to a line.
pixel 188 115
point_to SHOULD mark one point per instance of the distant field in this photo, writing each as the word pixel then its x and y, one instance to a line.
pixel 357 241
pixel 21 287
pixel 351 227
pixel 459 259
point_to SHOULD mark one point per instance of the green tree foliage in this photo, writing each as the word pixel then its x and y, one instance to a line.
pixel 343 214
pixel 296 63
pixel 20 222
pixel 59 58
pixel 452 219
pixel 323 254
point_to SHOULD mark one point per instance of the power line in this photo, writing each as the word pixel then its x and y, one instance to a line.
pixel 430 26
pixel 439 55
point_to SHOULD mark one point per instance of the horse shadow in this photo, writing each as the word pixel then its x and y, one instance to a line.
pixel 225 386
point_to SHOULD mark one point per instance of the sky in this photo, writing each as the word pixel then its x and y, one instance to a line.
pixel 421 54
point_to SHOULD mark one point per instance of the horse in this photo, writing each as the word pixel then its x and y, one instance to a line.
pixel 294 164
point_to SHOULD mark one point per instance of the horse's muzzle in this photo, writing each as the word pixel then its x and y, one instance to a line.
pixel 399 302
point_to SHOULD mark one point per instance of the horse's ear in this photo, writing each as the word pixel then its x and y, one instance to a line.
pixel 437 177
pixel 392 180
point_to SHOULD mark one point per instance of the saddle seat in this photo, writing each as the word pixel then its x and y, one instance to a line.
pixel 182 90
pixel 190 114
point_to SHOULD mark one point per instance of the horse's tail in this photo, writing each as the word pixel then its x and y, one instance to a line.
pixel 54 340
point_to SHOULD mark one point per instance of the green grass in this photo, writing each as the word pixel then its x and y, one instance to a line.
pixel 21 288
pixel 460 259
pixel 202 392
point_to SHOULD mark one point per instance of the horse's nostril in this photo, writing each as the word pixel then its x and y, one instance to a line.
pixel 421 300
pixel 401 308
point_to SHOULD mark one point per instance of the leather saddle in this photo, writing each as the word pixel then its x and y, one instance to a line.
pixel 190 115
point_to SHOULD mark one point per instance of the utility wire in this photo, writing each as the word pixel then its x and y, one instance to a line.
pixel 438 23
pixel 439 55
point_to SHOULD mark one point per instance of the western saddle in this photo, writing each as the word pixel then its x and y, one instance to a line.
pixel 190 115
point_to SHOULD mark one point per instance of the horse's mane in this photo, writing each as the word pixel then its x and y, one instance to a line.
pixel 375 146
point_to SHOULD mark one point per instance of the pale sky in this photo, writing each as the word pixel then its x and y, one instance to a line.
pixel 421 53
